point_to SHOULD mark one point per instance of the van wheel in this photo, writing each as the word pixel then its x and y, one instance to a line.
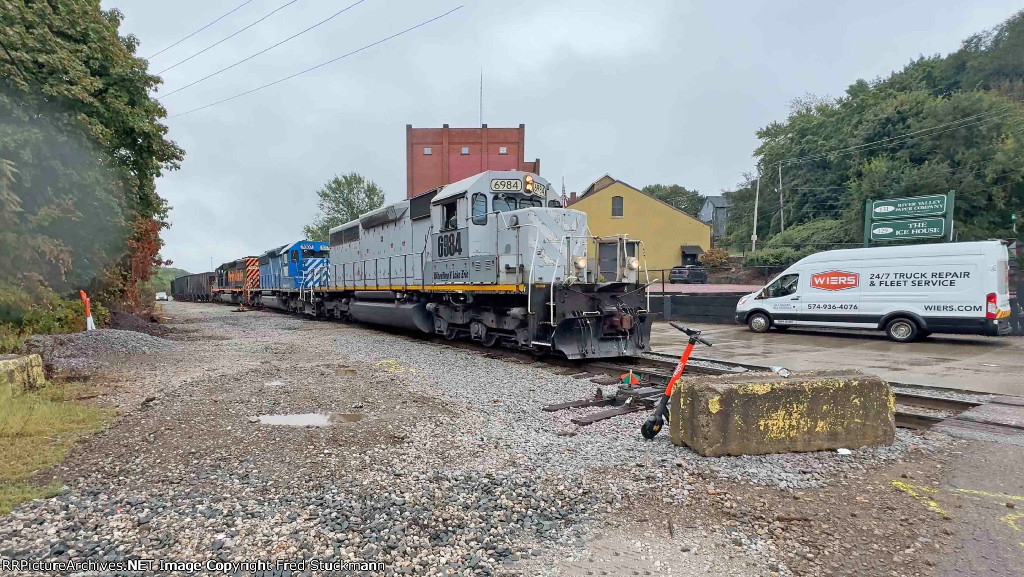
pixel 902 330
pixel 759 322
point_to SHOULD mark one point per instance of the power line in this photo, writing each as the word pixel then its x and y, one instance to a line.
pixel 226 38
pixel 265 50
pixel 321 65
pixel 198 31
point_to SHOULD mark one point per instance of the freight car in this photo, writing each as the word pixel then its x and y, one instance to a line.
pixel 496 258
pixel 289 271
pixel 194 287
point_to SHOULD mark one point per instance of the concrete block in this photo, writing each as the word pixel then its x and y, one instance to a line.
pixel 761 413
pixel 21 373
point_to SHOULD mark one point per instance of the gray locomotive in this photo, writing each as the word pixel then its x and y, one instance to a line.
pixel 496 258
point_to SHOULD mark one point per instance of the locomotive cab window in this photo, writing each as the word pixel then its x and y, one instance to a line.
pixel 554 204
pixel 449 216
pixel 479 208
pixel 295 256
pixel 502 203
pixel 310 253
pixel 530 202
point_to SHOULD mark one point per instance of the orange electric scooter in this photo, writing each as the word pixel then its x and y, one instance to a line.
pixel 652 426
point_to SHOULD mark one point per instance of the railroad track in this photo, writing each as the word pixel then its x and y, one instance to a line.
pixel 915 409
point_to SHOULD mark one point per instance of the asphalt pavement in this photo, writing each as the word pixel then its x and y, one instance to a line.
pixel 981 364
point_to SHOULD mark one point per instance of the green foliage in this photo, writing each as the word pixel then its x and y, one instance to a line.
pixel 940 124
pixel 823 234
pixel 25 311
pixel 715 258
pixel 342 198
pixel 82 147
pixel 775 257
pixel 688 201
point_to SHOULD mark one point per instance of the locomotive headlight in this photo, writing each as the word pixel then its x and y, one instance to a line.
pixel 632 263
pixel 580 262
pixel 529 182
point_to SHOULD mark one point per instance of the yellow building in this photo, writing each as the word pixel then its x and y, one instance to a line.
pixel 614 207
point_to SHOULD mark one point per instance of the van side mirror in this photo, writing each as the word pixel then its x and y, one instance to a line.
pixel 763 294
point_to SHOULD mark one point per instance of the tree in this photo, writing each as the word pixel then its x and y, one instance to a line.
pixel 688 201
pixel 78 121
pixel 940 124
pixel 342 198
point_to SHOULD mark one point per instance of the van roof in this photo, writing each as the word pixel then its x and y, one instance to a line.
pixel 933 249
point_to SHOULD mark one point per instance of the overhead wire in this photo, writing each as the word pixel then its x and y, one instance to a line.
pixel 229 37
pixel 198 31
pixel 268 49
pixel 321 65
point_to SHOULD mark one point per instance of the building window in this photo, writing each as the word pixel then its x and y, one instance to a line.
pixel 502 150
pixel 616 207
pixel 427 151
pixel 465 150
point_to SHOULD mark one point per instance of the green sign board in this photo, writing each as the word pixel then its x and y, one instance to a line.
pixel 908 229
pixel 931 205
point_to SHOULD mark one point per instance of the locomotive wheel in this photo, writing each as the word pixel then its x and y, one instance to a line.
pixel 451 333
pixel 490 339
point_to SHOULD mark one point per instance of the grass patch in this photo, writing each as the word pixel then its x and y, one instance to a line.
pixel 37 429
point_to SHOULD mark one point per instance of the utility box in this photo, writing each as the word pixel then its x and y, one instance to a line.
pixel 759 413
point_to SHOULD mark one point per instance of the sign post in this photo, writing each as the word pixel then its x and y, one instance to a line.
pixel 929 216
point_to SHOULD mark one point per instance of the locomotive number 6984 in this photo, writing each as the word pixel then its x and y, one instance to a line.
pixel 449 244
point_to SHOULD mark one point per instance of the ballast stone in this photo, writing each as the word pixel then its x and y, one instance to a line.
pixel 21 373
pixel 757 413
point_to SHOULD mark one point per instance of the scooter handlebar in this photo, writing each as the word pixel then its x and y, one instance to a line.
pixel 692 333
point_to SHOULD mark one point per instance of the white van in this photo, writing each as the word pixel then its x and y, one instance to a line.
pixel 907 291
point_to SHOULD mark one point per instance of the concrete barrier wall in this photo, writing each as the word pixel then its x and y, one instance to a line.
pixel 754 414
pixel 21 373
pixel 702 308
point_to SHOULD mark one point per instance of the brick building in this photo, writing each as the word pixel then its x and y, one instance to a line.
pixel 438 156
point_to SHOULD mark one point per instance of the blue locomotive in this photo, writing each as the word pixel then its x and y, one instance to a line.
pixel 288 271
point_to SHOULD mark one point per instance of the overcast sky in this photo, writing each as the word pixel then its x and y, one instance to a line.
pixel 650 92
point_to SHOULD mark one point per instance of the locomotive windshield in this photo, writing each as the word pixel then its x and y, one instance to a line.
pixel 505 203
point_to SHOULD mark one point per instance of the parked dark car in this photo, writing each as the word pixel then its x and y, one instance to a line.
pixel 689 274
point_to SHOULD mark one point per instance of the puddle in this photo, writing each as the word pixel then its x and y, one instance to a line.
pixel 310 419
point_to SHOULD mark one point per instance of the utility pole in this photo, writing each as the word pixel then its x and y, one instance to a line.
pixel 481 96
pixel 757 197
pixel 782 206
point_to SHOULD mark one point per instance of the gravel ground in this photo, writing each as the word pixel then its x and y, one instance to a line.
pixel 78 354
pixel 439 461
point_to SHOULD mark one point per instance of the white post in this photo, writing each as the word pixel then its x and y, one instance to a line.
pixel 782 205
pixel 757 198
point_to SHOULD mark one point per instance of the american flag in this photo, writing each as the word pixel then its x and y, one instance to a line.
pixel 565 198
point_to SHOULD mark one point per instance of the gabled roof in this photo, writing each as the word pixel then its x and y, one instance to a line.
pixel 717 201
pixel 607 180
